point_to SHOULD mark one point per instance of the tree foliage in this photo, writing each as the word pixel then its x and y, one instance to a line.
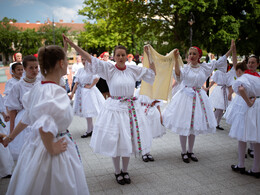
pixel 8 37
pixel 164 24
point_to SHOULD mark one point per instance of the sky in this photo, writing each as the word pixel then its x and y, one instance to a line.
pixel 40 10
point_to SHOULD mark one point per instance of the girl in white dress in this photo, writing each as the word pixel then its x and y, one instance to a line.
pixel 120 128
pixel 17 70
pixel 190 113
pixel 221 95
pixel 152 111
pixel 6 159
pixel 243 115
pixel 14 101
pixel 88 99
pixel 49 162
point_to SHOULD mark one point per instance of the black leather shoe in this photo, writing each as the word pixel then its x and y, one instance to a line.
pixel 192 157
pixel 250 152
pixel 254 174
pixel 150 157
pixel 126 177
pixel 186 160
pixel 145 158
pixel 219 128
pixel 86 135
pixel 237 169
pixel 6 177
pixel 121 180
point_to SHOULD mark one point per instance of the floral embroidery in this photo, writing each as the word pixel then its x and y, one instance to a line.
pixel 2 123
pixel 70 136
pixel 132 113
pixel 197 90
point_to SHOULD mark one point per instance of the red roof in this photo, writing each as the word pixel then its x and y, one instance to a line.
pixel 73 26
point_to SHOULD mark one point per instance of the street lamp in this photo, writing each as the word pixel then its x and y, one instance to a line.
pixel 191 22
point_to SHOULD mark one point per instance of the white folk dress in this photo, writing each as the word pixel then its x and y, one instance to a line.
pixel 190 111
pixel 245 120
pixel 219 95
pixel 87 102
pixel 14 102
pixel 152 113
pixel 37 171
pixel 8 86
pixel 112 133
pixel 6 159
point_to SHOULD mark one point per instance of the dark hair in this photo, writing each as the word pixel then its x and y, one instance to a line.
pixel 256 57
pixel 242 66
pixel 49 56
pixel 15 65
pixel 120 47
pixel 27 59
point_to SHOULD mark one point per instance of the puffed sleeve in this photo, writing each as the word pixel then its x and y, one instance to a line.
pixel 220 64
pixel 51 112
pixel 2 108
pixel 183 71
pixel 13 101
pixel 141 73
pixel 241 81
pixel 231 75
pixel 100 67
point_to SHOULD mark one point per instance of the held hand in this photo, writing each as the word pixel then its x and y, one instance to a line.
pixel 251 102
pixel 71 96
pixel 67 40
pixel 5 141
pixel 2 137
pixel 176 53
pixel 59 146
pixel 6 117
pixel 146 49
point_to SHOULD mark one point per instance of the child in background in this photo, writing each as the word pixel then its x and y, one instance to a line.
pixel 14 101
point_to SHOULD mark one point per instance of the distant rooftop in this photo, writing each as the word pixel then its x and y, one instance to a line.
pixel 72 25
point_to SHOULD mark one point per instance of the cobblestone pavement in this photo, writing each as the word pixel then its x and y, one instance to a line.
pixel 168 174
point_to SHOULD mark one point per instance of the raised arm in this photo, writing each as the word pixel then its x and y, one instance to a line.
pixel 231 48
pixel 83 53
pixel 177 65
pixel 234 56
pixel 151 64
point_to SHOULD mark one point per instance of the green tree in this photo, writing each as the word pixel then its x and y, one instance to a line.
pixel 30 42
pixel 47 36
pixel 8 38
pixel 164 24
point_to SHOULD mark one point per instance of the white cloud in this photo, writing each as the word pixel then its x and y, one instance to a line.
pixel 66 14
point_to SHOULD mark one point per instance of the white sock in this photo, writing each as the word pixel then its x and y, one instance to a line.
pixel 218 115
pixel 90 125
pixel 241 154
pixel 125 162
pixel 183 140
pixel 191 140
pixel 256 164
pixel 116 162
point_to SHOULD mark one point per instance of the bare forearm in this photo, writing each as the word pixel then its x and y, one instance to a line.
pixel 84 54
pixel 95 82
pixel 13 114
pixel 47 139
pixel 177 68
pixel 18 129
pixel 244 95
